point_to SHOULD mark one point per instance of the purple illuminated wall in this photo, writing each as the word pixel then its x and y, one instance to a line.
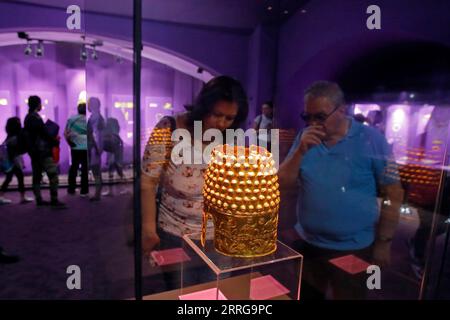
pixel 22 75
pixel 201 45
pixel 61 76
pixel 320 43
pixel 263 47
pixel 248 56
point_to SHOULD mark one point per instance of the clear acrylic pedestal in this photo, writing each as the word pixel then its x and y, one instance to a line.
pixel 209 275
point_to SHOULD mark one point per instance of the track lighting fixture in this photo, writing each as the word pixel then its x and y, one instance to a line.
pixel 40 49
pixel 28 49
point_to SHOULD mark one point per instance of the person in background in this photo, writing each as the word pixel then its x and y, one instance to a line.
pixel 360 118
pixel 113 145
pixel 376 120
pixel 95 127
pixel 40 143
pixel 76 136
pixel 13 130
pixel 338 166
pixel 264 121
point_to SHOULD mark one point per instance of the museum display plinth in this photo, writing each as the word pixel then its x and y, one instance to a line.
pixel 207 274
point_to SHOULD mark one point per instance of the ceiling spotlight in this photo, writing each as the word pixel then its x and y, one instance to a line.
pixel 285 12
pixel 269 8
pixel 28 49
pixel 39 49
pixel 303 11
pixel 94 54
pixel 83 53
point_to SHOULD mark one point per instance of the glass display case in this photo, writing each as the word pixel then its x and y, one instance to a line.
pixel 418 134
pixel 209 275
pixel 144 62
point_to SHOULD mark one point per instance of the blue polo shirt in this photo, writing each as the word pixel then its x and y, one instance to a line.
pixel 337 205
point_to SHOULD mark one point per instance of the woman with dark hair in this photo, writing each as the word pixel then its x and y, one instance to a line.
pixel 221 104
pixel 219 93
pixel 13 129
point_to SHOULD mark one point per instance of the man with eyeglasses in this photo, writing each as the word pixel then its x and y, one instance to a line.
pixel 339 167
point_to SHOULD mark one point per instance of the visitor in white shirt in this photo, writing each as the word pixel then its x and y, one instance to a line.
pixel 264 121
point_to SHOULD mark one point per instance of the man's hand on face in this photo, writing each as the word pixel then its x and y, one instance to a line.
pixel 311 137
